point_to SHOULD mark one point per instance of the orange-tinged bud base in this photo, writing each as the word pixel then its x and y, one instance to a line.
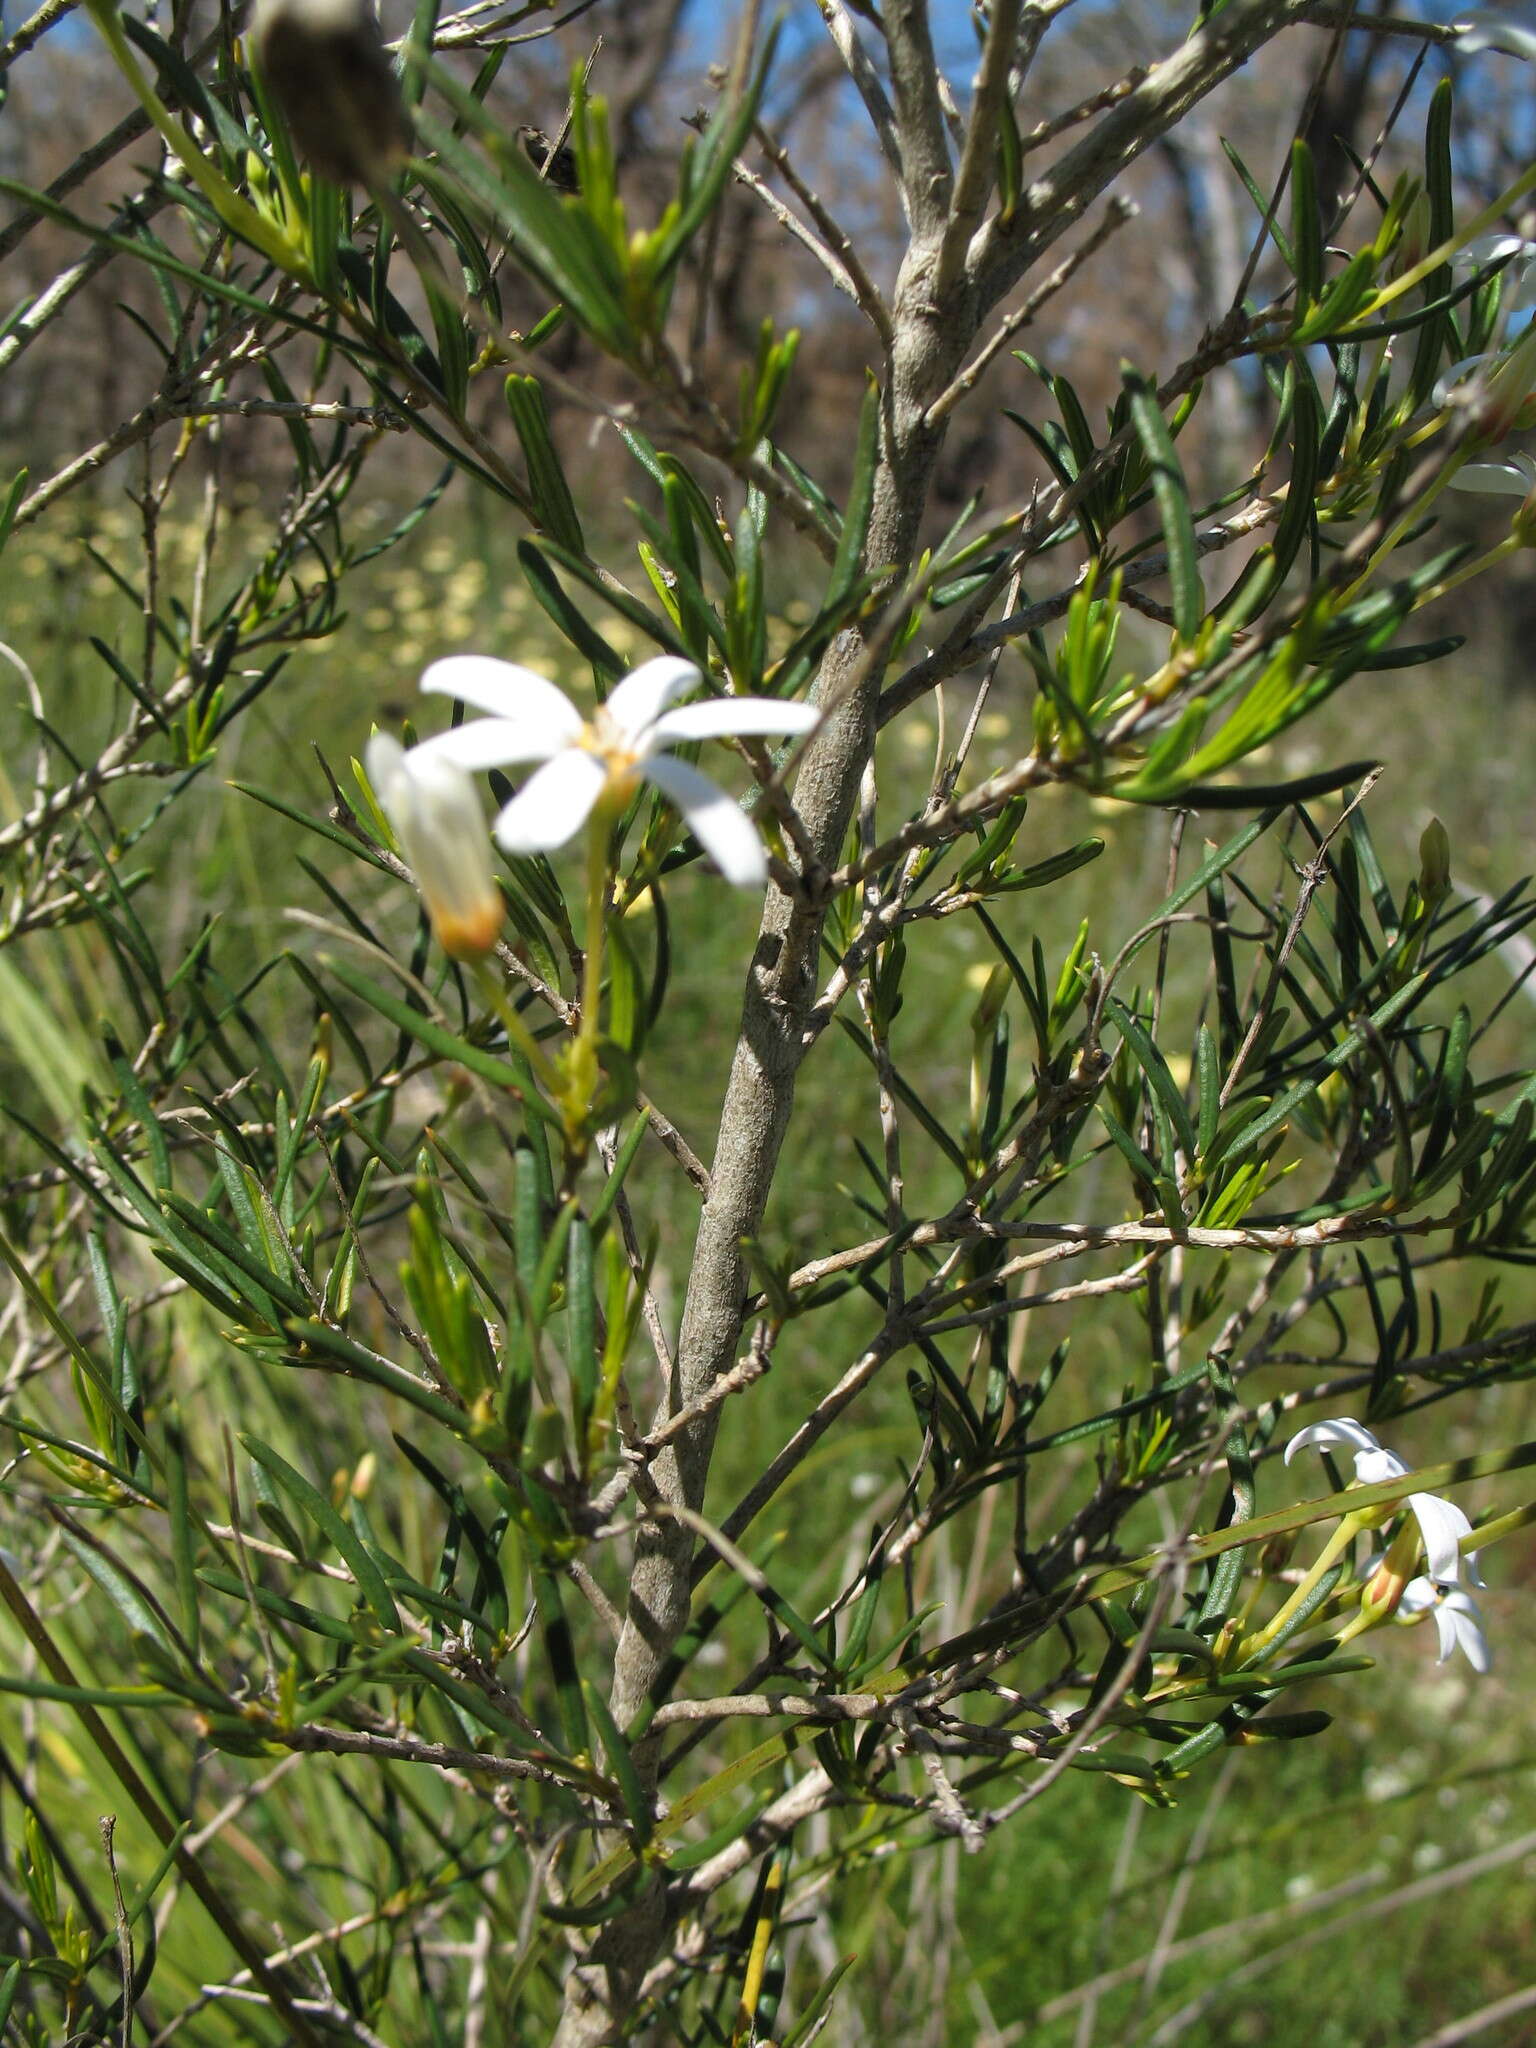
pixel 469 937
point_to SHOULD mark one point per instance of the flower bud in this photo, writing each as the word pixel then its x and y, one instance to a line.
pixel 1434 861
pixel 1383 1590
pixel 1387 1579
pixel 325 65
pixel 437 817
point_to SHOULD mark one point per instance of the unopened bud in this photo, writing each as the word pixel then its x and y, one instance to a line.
pixel 325 65
pixel 436 813
pixel 993 996
pixel 1383 1591
pixel 1434 861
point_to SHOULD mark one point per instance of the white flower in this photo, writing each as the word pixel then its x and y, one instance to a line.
pixel 436 813
pixel 625 741
pixel 1490 28
pixel 1441 1523
pixel 1458 1620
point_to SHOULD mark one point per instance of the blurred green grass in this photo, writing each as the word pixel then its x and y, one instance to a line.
pixel 1423 1770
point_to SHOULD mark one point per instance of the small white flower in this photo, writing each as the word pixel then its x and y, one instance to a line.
pixel 1441 1523
pixel 1490 28
pixel 1458 1620
pixel 627 740
pixel 436 813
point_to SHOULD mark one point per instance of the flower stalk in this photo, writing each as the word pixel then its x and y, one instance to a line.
pixel 583 1066
pixel 1351 1526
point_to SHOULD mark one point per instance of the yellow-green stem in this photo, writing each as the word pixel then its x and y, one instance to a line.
pixel 598 827
pixel 1359 1624
pixel 1508 546
pixel 1409 520
pixel 1491 217
pixel 518 1034
pixel 1345 1534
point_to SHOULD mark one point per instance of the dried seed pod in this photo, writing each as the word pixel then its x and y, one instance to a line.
pixel 325 64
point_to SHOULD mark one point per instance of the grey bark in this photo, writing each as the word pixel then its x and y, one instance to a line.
pixel 781 984
pixel 934 329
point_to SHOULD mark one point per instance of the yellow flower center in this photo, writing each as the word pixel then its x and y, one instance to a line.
pixel 614 748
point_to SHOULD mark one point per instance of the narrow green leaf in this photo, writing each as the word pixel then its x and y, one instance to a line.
pixel 1126 1145
pixel 1299 518
pixel 8 509
pixel 383 1373
pixel 861 498
pixel 1261 204
pixel 344 1539
pixel 1306 228
pixel 1150 1059
pixel 613 1186
pixel 620 1762
pixel 561 1659
pixel 547 483
pixel 536 558
pixel 179 1517
pixel 581 1324
pixel 435 1037
pixel 1207 1087
pixel 1186 589
pixel 1439 188
pixel 138 1614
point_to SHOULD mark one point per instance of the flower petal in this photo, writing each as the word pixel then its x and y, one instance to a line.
pixel 1445 1629
pixel 1375 1468
pixel 494 743
pixel 1488 28
pixel 384 763
pixel 1515 259
pixel 1461 373
pixel 1485 249
pixel 553 803
pixel 724 717
pixel 1442 1525
pixel 635 704
pixel 1343 1430
pixel 719 824
pixel 505 689
pixel 1515 477
pixel 1467 1629
pixel 1418 1595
